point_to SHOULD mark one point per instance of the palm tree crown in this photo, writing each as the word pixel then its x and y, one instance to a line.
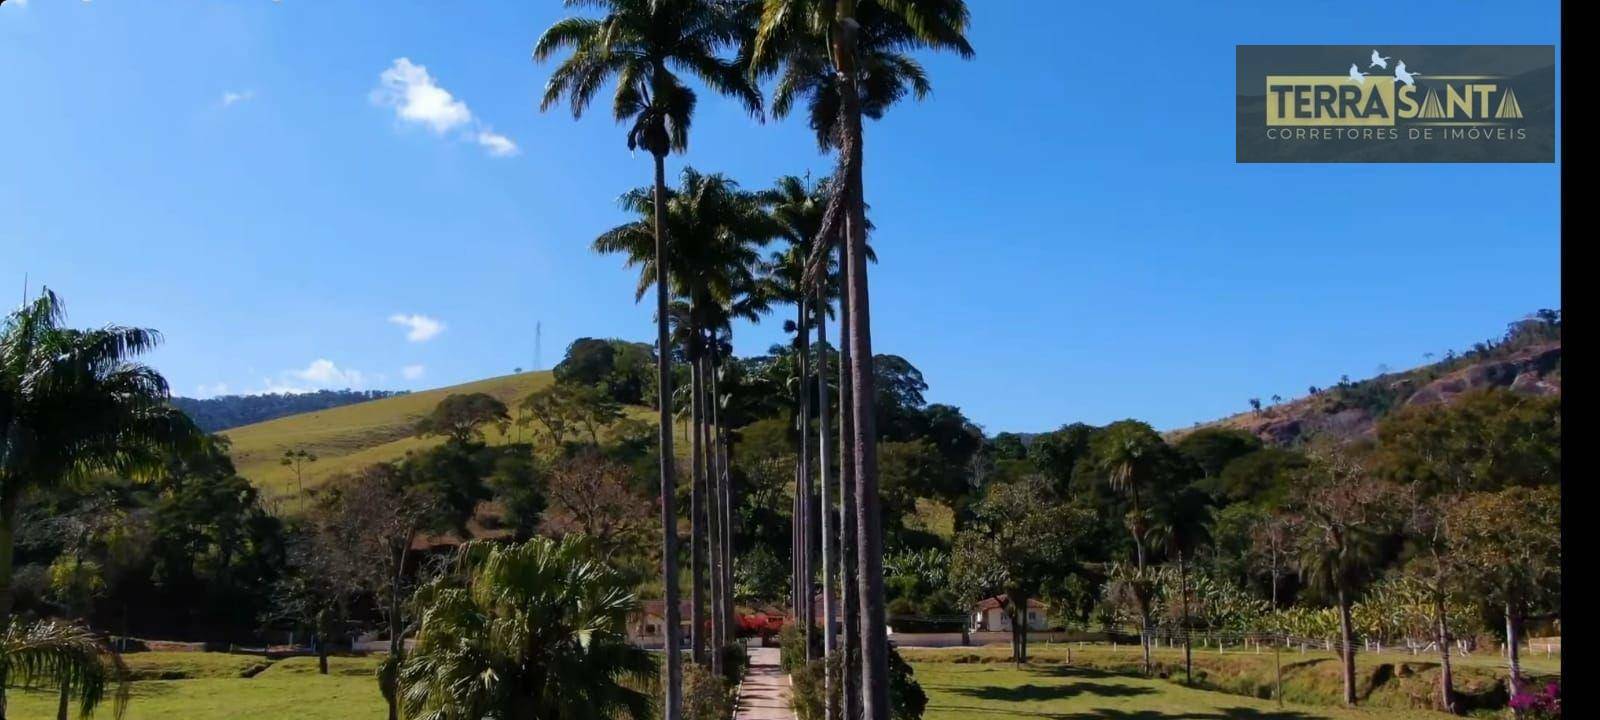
pixel 534 630
pixel 643 44
pixel 714 231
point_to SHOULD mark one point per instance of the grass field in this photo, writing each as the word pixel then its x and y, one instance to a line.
pixel 217 690
pixel 1059 692
pixel 349 437
pixel 1395 684
pixel 1099 684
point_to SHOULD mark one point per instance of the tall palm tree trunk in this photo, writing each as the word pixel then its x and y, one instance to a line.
pixel 713 523
pixel 1347 651
pixel 869 548
pixel 828 640
pixel 850 645
pixel 807 505
pixel 697 516
pixel 1183 590
pixel 724 494
pixel 1513 654
pixel 669 525
pixel 1144 589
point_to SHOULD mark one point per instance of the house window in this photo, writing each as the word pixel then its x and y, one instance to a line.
pixel 651 629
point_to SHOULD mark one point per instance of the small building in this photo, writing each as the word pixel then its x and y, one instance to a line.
pixel 645 627
pixel 993 614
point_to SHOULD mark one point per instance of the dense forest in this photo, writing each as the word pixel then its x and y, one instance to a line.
pixel 231 411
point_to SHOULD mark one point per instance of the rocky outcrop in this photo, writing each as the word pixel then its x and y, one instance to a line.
pixel 1535 371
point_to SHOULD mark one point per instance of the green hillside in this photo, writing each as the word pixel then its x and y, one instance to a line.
pixel 349 437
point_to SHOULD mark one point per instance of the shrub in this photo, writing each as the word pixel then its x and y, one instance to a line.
pixel 734 662
pixel 807 689
pixel 1541 705
pixel 792 646
pixel 907 700
pixel 705 696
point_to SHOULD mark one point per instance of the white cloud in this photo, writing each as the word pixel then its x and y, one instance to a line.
pixel 498 145
pixel 234 97
pixel 415 97
pixel 411 91
pixel 421 328
pixel 412 372
pixel 323 373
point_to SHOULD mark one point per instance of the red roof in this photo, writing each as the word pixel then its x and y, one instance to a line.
pixel 990 603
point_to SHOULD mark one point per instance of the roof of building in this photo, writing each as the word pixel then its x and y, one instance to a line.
pixel 990 603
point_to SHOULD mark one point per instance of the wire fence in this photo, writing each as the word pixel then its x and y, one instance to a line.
pixel 1226 640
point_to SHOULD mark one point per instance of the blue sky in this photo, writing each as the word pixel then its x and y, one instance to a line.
pixel 1063 232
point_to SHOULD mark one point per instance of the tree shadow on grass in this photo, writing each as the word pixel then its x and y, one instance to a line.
pixel 1236 713
pixel 1054 691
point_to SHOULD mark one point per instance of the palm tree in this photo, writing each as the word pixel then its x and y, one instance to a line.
pixel 797 205
pixel 716 230
pixel 525 631
pixel 72 403
pixel 642 44
pixel 66 656
pixel 845 38
pixel 1127 454
pixel 1182 526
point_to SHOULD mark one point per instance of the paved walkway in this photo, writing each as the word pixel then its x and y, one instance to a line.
pixel 765 694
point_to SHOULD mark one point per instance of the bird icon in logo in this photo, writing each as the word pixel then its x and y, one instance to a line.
pixel 1401 74
pixel 1357 75
pixel 1379 61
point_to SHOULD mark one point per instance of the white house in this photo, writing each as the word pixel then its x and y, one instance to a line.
pixel 993 614
pixel 645 626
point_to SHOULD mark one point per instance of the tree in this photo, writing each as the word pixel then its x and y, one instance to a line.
pixel 1261 478
pixel 1022 536
pixel 590 496
pixel 1057 453
pixel 68 657
pixel 73 402
pixel 641 43
pixel 1509 545
pixel 526 631
pixel 589 361
pixel 1484 440
pixel 832 52
pixel 460 418
pixel 1182 525
pixel 1343 514
pixel 1127 453
pixel 375 516
pixel 1213 448
pixel 325 576
pixel 296 460
pixel 716 230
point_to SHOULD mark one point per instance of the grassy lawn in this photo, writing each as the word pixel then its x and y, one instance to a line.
pixel 1388 684
pixel 218 691
pixel 961 683
pixel 1000 692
